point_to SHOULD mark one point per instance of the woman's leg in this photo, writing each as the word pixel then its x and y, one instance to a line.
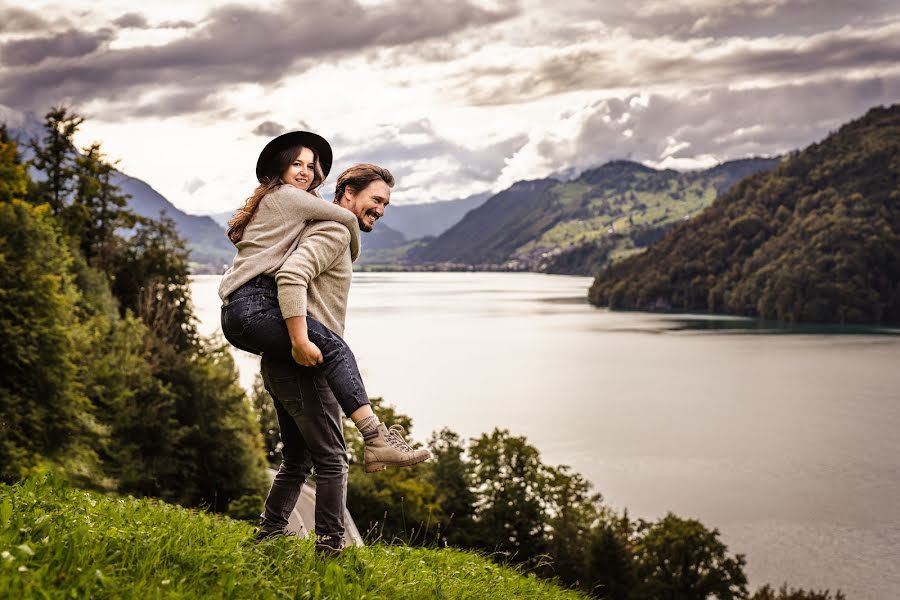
pixel 252 321
pixel 258 324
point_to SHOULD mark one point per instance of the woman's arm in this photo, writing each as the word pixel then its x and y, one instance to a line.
pixel 302 349
pixel 296 204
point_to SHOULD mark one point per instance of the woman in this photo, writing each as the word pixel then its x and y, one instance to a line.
pixel 266 231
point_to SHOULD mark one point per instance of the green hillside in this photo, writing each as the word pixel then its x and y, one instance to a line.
pixel 817 239
pixel 579 226
pixel 61 542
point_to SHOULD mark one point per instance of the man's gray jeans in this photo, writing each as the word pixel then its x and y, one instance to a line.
pixel 313 439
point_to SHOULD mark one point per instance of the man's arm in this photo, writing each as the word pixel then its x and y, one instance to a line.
pixel 316 252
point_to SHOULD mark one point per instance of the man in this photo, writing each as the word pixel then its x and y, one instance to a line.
pixel 315 281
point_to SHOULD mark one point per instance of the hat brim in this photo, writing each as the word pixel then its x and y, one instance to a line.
pixel 295 138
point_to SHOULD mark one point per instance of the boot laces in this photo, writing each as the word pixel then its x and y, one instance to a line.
pixel 395 438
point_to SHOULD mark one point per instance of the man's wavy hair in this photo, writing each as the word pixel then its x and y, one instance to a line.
pixel 357 177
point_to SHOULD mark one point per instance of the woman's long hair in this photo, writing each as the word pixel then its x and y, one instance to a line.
pixel 270 181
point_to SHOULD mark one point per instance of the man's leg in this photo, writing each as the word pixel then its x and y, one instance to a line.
pixel 317 416
pixel 295 465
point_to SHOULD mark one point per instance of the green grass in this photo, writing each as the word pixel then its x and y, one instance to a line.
pixel 60 542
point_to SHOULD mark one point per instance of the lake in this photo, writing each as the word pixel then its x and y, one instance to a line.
pixel 786 440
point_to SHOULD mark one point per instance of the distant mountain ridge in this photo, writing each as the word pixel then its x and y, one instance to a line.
pixel 817 239
pixel 581 225
pixel 210 248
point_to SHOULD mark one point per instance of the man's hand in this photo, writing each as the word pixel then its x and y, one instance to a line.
pixel 307 354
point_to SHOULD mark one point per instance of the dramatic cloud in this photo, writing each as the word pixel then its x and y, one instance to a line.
pixel 15 19
pixel 734 18
pixel 424 162
pixel 68 44
pixel 176 25
pixel 602 65
pixel 269 129
pixel 455 97
pixel 698 129
pixel 132 20
pixel 236 44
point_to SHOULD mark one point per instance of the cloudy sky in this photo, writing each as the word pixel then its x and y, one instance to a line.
pixel 455 97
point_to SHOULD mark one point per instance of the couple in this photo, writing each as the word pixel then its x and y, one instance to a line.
pixel 285 297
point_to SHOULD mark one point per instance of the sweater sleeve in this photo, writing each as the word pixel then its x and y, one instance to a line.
pixel 294 203
pixel 317 250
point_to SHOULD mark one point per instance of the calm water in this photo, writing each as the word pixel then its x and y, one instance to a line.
pixel 787 442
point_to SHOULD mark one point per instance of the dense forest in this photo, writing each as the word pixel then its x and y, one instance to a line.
pixel 105 379
pixel 815 240
pixel 106 383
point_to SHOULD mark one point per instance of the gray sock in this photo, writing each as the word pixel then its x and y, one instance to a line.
pixel 368 427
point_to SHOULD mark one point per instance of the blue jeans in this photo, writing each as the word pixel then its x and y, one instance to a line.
pixel 252 321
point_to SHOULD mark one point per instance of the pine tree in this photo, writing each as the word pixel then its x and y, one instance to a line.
pixel 54 157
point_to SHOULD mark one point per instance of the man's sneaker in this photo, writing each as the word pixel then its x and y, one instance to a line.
pixel 265 533
pixel 389 449
pixel 328 546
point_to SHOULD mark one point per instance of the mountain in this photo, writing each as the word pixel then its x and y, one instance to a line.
pixel 434 218
pixel 209 246
pixel 578 226
pixel 817 239
pixel 211 250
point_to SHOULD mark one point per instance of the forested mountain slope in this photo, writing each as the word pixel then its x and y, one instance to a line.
pixel 817 239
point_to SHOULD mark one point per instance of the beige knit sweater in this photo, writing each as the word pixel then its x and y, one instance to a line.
pixel 311 262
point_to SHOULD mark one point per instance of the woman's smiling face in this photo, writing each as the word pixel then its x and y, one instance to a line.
pixel 301 171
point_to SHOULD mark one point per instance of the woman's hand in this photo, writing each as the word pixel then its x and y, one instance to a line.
pixel 306 353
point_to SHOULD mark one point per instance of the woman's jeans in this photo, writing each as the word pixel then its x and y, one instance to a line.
pixel 309 415
pixel 252 321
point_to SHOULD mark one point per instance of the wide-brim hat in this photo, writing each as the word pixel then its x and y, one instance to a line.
pixel 295 138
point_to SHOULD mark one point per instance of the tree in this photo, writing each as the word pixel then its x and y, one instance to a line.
pixel 98 208
pixel 397 504
pixel 45 412
pixel 509 486
pixel 572 512
pixel 14 179
pixel 267 419
pixel 680 559
pixel 219 456
pixel 450 475
pixel 151 278
pixel 609 572
pixel 54 156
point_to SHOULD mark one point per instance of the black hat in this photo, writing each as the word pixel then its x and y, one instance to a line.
pixel 294 138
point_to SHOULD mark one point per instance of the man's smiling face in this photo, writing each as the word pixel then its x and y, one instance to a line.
pixel 368 204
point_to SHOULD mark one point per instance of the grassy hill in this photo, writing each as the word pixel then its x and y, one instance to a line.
pixel 817 239
pixel 61 542
pixel 582 225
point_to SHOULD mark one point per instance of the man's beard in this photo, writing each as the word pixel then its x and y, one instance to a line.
pixel 364 227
